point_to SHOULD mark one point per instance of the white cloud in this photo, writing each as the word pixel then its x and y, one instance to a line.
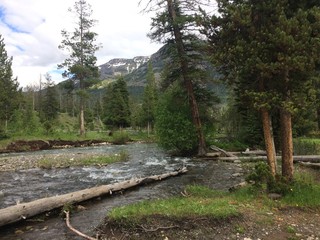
pixel 32 32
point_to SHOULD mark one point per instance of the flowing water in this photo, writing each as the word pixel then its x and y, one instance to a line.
pixel 144 160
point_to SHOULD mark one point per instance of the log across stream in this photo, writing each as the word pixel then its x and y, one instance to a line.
pixel 25 210
pixel 144 160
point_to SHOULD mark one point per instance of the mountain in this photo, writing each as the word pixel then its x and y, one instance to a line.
pixel 133 70
pixel 121 66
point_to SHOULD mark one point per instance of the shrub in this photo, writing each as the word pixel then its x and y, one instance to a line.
pixel 262 179
pixel 120 137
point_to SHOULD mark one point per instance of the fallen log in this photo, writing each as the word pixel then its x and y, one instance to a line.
pixel 254 152
pixel 309 164
pixel 220 150
pixel 304 158
pixel 26 210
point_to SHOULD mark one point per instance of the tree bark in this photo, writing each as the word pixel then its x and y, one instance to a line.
pixel 286 131
pixel 268 133
pixel 25 210
pixel 286 144
pixel 269 140
pixel 187 81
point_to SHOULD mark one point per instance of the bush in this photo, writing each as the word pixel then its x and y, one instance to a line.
pixel 120 137
pixel 262 179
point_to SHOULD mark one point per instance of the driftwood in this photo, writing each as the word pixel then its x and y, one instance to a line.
pixel 309 164
pixel 75 230
pixel 254 152
pixel 221 151
pixel 25 210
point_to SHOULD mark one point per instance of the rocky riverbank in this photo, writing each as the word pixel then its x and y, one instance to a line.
pixel 21 162
pixel 26 161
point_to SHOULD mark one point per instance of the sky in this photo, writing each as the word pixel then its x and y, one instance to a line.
pixel 32 33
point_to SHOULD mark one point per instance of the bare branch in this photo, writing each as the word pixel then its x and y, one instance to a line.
pixel 75 230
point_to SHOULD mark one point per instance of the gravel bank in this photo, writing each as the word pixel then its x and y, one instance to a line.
pixel 20 162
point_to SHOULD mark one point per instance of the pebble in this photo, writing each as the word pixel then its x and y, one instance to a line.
pixel 236 174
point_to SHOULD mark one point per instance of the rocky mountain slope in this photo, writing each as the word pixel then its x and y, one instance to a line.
pixel 121 66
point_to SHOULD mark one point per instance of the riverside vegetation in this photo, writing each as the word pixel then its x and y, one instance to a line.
pixel 203 213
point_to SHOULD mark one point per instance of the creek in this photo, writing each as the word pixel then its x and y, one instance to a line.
pixel 144 160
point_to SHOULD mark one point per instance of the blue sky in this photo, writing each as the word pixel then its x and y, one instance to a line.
pixel 32 32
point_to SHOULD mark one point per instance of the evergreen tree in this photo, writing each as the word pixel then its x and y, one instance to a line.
pixel 267 50
pixel 50 104
pixel 175 23
pixel 81 64
pixel 26 121
pixel 116 104
pixel 10 94
pixel 149 99
pixel 31 121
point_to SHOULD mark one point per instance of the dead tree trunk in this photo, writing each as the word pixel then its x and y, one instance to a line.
pixel 25 210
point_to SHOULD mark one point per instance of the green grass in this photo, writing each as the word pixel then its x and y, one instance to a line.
pixel 305 192
pixel 94 161
pixel 306 146
pixel 200 201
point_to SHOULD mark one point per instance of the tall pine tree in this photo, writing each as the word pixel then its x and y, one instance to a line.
pixel 10 94
pixel 81 64
pixel 175 23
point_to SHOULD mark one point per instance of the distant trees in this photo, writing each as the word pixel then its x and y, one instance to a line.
pixel 81 63
pixel 10 94
pixel 267 50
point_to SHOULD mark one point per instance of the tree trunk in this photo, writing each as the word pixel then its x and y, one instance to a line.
pixel 187 81
pixel 269 140
pixel 82 127
pixel 286 132
pixel 286 144
pixel 25 210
